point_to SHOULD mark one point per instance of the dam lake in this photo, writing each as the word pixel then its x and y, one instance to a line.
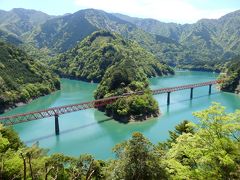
pixel 91 131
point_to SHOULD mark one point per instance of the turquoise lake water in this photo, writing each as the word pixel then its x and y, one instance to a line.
pixel 90 131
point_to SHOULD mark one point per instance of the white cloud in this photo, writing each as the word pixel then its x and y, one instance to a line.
pixel 180 11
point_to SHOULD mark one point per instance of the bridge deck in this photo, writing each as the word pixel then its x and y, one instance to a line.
pixel 30 116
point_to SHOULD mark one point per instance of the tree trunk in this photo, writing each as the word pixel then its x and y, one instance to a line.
pixel 89 172
pixel 1 170
pixel 24 167
pixel 47 172
pixel 30 166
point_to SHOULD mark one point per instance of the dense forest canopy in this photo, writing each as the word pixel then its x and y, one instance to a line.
pixel 90 59
pixel 121 66
pixel 127 77
pixel 207 43
pixel 231 76
pixel 22 78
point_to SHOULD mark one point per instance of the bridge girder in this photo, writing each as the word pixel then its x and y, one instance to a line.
pixel 20 118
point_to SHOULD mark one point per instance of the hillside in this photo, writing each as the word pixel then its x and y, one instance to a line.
pixel 62 33
pixel 170 30
pixel 210 41
pixel 127 77
pixel 205 45
pixel 22 78
pixel 19 21
pixel 231 76
pixel 6 37
pixel 90 59
pixel 18 26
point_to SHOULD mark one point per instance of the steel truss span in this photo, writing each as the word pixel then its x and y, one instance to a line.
pixel 56 111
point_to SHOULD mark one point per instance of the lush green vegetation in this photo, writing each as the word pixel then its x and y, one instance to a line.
pixel 63 33
pixel 207 150
pixel 122 66
pixel 127 77
pixel 90 59
pixel 22 78
pixel 205 45
pixel 66 31
pixel 20 22
pixel 231 76
pixel 6 37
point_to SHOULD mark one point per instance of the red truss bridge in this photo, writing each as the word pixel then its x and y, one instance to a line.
pixel 56 111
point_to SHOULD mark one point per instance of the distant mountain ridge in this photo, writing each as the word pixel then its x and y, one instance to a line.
pixel 154 26
pixel 204 45
pixel 63 33
pixel 19 21
pixel 208 36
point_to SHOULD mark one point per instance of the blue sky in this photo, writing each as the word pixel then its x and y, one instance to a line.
pixel 180 11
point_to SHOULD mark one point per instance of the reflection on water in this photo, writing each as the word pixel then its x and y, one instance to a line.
pixel 90 131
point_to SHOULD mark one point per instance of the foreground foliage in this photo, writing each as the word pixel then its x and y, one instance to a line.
pixel 207 150
pixel 212 151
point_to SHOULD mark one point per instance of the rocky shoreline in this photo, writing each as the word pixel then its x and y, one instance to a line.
pixel 13 106
pixel 131 118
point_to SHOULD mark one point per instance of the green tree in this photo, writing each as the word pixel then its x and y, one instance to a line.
pixel 10 162
pixel 184 127
pixel 13 138
pixel 136 159
pixel 84 167
pixel 212 152
pixel 54 166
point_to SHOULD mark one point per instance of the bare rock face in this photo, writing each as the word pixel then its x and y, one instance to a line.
pixel 237 90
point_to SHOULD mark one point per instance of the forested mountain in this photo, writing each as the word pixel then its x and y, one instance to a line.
pixel 200 46
pixel 90 59
pixel 10 38
pixel 170 30
pixel 19 25
pixel 19 21
pixel 204 45
pixel 231 76
pixel 127 77
pixel 62 33
pixel 121 66
pixel 22 78
pixel 215 40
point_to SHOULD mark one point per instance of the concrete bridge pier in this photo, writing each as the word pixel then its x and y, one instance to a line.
pixel 168 98
pixel 56 124
pixel 191 94
pixel 210 89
